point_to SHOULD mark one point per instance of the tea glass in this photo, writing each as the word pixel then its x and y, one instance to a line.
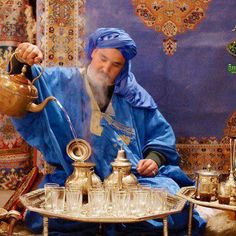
pixel 110 201
pixel 159 199
pixel 58 199
pixel 97 201
pixel 205 191
pixel 121 201
pixel 142 201
pixel 73 199
pixel 48 194
pixel 224 193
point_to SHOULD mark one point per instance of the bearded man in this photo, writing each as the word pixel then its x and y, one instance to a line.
pixel 109 109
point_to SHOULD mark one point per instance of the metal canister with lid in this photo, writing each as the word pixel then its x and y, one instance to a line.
pixel 207 181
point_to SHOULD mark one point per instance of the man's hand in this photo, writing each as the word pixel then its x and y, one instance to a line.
pixel 147 167
pixel 28 53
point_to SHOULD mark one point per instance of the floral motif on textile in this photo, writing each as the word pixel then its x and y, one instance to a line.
pixel 15 155
pixel 16 25
pixel 9 138
pixel 13 168
pixel 61 31
pixel 171 17
pixel 12 22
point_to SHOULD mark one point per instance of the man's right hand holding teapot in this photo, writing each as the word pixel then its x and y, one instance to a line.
pixel 29 54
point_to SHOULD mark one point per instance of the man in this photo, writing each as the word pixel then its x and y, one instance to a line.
pixel 109 109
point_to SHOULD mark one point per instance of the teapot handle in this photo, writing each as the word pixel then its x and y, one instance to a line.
pixel 120 177
pixel 90 182
pixel 11 67
pixel 37 77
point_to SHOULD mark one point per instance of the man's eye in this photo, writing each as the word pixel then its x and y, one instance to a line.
pixel 117 65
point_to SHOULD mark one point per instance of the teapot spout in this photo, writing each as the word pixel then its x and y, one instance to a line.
pixel 39 107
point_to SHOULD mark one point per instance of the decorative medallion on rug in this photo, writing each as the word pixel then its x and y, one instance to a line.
pixel 171 17
pixel 61 31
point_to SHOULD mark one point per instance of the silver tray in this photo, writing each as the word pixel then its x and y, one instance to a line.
pixel 34 201
pixel 188 193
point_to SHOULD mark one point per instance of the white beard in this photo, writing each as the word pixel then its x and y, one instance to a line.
pixel 99 84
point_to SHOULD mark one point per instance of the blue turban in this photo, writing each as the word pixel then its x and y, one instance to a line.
pixel 112 38
pixel 125 84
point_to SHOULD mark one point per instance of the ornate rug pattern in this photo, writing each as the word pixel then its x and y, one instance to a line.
pixel 60 31
pixel 196 154
pixel 171 17
pixel 16 25
pixel 65 19
pixel 15 155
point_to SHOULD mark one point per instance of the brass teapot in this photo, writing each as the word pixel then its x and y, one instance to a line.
pixel 83 176
pixel 17 94
pixel 121 176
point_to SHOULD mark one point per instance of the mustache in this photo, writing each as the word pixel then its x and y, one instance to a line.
pixel 103 75
pixel 98 77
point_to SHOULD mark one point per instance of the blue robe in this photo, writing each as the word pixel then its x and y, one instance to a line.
pixel 137 129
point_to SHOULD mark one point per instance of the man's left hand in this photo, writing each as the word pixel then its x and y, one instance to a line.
pixel 147 167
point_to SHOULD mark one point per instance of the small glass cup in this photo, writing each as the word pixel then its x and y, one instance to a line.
pixel 73 199
pixel 205 192
pixel 97 201
pixel 224 193
pixel 58 199
pixel 159 199
pixel 48 194
pixel 109 198
pixel 131 206
pixel 141 201
pixel 120 202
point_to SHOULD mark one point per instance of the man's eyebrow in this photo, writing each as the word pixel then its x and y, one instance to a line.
pixel 103 55
pixel 114 62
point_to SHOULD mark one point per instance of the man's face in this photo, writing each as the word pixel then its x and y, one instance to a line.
pixel 108 62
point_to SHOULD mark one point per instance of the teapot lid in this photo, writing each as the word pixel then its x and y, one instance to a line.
pixel 208 171
pixel 21 78
pixel 78 150
pixel 121 159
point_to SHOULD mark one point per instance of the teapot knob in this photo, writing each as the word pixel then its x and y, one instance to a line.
pixel 209 167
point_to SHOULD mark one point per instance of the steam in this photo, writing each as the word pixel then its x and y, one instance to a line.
pixel 99 83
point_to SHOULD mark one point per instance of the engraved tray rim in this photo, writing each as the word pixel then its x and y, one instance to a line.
pixel 30 199
pixel 188 193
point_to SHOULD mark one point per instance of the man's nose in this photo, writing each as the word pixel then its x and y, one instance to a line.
pixel 106 67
